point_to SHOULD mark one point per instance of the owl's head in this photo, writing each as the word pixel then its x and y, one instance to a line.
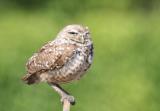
pixel 75 33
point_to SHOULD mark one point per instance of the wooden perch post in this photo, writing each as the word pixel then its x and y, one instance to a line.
pixel 66 105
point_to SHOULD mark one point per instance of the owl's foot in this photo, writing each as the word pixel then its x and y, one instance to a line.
pixel 69 98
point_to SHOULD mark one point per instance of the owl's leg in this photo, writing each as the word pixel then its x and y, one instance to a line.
pixel 64 94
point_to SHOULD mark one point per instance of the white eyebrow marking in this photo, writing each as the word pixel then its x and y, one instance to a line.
pixel 73 30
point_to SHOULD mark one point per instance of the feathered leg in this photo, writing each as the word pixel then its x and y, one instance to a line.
pixel 65 96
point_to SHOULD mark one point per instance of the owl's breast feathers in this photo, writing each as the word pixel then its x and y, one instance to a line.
pixel 90 55
pixel 49 57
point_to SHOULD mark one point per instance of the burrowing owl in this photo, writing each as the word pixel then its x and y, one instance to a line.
pixel 62 60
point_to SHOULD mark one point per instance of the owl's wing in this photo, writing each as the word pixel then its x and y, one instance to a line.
pixel 49 57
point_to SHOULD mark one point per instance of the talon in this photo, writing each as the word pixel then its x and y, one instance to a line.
pixel 73 103
pixel 68 98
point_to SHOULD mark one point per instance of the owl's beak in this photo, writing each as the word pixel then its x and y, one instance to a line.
pixel 82 39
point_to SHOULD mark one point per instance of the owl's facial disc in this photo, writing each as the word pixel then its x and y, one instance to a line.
pixel 77 36
pixel 76 33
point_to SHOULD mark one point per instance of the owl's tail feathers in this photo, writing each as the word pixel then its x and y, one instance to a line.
pixel 30 79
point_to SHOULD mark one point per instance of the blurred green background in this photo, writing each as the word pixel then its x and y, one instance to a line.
pixel 125 75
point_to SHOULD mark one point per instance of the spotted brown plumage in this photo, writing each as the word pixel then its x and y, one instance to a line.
pixel 49 58
pixel 62 60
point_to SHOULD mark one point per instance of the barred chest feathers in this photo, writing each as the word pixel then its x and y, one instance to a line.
pixel 75 68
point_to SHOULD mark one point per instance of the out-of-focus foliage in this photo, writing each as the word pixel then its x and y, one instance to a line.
pixel 77 5
pixel 125 75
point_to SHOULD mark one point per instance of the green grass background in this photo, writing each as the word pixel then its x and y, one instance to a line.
pixel 125 75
